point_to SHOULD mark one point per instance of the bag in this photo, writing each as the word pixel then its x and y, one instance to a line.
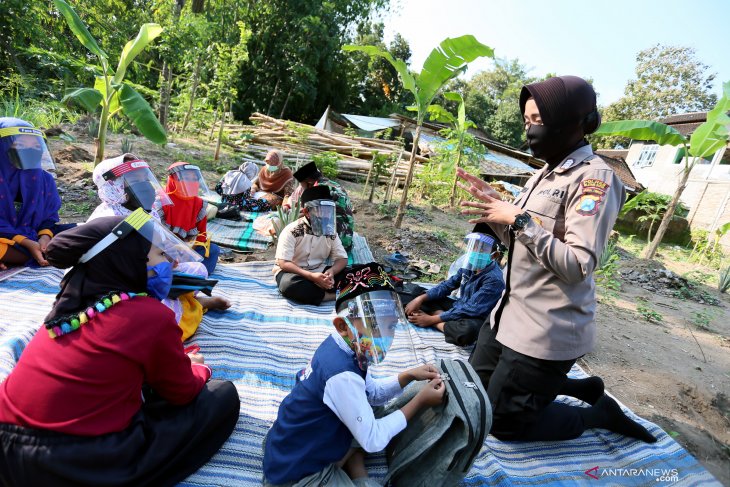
pixel 440 444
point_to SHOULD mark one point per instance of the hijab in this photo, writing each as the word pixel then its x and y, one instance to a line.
pixel 112 194
pixel 567 106
pixel 184 212
pixel 239 180
pixel 121 267
pixel 34 188
pixel 274 182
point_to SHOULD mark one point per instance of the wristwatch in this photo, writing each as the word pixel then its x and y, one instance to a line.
pixel 521 221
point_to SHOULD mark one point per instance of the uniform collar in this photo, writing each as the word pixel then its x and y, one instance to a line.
pixel 574 159
pixel 341 343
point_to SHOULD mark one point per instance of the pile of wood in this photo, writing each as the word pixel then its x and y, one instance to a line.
pixel 299 142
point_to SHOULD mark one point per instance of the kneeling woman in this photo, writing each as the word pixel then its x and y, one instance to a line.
pixel 72 412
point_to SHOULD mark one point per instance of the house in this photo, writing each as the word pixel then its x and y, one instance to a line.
pixel 617 160
pixel 708 189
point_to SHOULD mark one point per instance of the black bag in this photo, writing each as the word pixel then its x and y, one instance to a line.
pixel 440 444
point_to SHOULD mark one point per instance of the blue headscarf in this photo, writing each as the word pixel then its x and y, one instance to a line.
pixel 36 188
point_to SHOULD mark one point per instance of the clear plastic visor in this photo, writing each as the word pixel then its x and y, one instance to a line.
pixel 188 182
pixel 378 317
pixel 29 150
pixel 478 253
pixel 176 251
pixel 142 185
pixel 322 217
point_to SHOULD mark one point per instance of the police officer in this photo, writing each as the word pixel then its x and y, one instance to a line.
pixel 556 229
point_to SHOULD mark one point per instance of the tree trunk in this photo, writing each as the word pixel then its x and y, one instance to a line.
pixel 286 102
pixel 409 178
pixel 193 90
pixel 215 119
pixel 452 196
pixel 220 132
pixel 367 179
pixel 100 140
pixel 375 183
pixel 273 97
pixel 165 94
pixel 654 245
pixel 390 189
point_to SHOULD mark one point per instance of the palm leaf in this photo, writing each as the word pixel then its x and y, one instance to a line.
pixel 643 130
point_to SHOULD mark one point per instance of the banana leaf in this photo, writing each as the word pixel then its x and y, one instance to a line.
pixel 643 130
pixel 147 34
pixel 78 28
pixel 141 114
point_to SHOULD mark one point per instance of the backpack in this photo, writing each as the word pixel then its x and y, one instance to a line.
pixel 440 444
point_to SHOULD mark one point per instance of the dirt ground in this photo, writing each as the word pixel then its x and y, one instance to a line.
pixel 664 353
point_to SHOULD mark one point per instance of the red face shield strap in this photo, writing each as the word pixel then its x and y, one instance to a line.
pixel 124 168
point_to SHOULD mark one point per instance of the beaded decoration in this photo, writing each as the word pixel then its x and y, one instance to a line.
pixel 66 324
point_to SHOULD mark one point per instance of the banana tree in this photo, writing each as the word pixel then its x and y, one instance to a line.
pixel 110 91
pixel 445 62
pixel 707 139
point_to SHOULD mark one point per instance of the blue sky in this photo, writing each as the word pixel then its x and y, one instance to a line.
pixel 589 38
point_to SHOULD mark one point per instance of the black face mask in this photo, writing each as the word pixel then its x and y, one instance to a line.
pixel 140 195
pixel 544 142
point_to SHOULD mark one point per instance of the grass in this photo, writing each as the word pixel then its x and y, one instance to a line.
pixel 45 114
pixel 647 312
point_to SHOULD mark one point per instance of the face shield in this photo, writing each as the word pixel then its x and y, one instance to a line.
pixel 28 148
pixel 376 319
pixel 176 251
pixel 140 185
pixel 321 217
pixel 478 254
pixel 188 182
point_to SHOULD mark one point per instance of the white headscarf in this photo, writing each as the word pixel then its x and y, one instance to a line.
pixel 111 193
pixel 239 180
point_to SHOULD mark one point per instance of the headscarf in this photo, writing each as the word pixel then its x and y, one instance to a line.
pixel 112 194
pixel 35 187
pixel 567 106
pixel 120 267
pixel 239 180
pixel 184 212
pixel 276 181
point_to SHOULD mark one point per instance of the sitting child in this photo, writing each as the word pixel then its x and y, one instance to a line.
pixel 126 183
pixel 304 247
pixel 187 216
pixel 311 441
pixel 480 283
pixel 29 200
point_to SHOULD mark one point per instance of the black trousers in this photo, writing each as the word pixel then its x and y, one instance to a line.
pixel 162 446
pixel 300 289
pixel 522 391
pixel 460 332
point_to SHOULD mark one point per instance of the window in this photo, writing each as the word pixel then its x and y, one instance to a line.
pixel 647 155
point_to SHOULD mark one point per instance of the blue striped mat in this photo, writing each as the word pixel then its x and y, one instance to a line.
pixel 264 339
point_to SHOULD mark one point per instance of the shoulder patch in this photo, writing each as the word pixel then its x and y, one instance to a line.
pixel 590 199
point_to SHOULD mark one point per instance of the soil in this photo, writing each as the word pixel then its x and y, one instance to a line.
pixel 664 351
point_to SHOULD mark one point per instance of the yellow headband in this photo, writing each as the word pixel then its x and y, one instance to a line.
pixel 10 131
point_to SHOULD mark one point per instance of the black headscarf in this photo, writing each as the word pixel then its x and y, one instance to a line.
pixel 120 267
pixel 567 106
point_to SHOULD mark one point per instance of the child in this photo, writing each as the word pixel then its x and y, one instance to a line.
pixel 311 441
pixel 481 284
pixel 305 246
pixel 187 216
pixel 29 200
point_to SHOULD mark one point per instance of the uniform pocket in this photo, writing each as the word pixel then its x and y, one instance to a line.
pixel 548 214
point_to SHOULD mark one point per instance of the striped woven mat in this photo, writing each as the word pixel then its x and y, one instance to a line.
pixel 264 339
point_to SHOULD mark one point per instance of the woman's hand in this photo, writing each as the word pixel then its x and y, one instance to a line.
pixel 493 210
pixel 424 372
pixel 34 248
pixel 196 358
pixel 477 187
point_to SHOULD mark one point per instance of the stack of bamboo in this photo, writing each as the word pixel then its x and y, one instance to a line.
pixel 299 142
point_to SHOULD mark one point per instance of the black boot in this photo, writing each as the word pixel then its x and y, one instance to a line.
pixel 608 414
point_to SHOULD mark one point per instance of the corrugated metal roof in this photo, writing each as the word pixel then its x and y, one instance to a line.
pixel 371 124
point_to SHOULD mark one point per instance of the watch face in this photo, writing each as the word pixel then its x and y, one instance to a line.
pixel 521 220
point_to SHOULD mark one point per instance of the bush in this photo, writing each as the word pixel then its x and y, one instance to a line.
pixel 724 283
pixel 45 114
pixel 327 163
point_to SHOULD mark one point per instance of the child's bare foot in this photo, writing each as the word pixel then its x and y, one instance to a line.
pixel 355 465
pixel 214 302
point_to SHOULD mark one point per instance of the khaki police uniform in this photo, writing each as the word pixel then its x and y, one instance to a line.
pixel 545 320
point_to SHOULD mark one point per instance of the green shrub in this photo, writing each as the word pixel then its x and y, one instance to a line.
pixel 327 163
pixel 724 283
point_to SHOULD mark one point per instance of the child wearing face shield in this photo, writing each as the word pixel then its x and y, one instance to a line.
pixel 304 248
pixel 29 200
pixel 311 441
pixel 480 282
